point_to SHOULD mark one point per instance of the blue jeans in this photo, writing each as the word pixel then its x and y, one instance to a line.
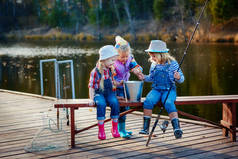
pixel 154 96
pixel 104 99
pixel 120 93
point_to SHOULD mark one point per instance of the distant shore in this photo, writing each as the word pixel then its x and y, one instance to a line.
pixel 143 32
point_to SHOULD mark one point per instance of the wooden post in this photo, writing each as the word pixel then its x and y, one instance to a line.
pixel 58 118
pixel 72 127
pixel 233 133
pixel 229 120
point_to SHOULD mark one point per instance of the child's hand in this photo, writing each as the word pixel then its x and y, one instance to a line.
pixel 121 82
pixel 91 102
pixel 118 83
pixel 120 98
pixel 137 71
pixel 141 76
pixel 176 75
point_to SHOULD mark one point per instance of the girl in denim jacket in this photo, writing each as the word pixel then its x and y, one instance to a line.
pixel 163 75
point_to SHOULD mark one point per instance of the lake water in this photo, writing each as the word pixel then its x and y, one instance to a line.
pixel 209 69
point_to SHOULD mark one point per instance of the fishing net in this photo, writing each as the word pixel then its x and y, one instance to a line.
pixel 50 138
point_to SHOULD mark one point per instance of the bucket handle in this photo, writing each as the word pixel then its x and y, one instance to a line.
pixel 124 87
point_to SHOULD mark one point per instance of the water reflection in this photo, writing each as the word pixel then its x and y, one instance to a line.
pixel 209 70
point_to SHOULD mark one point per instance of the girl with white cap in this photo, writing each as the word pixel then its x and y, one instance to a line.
pixel 163 75
pixel 124 64
pixel 102 90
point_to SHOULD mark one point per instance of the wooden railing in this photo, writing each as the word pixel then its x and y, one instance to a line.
pixel 228 122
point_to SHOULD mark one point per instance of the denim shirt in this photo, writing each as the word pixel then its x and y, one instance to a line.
pixel 162 76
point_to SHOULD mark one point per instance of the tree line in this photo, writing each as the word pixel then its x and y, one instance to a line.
pixel 23 14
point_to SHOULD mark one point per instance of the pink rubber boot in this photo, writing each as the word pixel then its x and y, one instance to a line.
pixel 114 129
pixel 101 132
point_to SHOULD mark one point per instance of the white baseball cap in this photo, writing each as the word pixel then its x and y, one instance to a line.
pixel 157 46
pixel 107 51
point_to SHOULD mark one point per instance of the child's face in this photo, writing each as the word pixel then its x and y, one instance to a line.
pixel 153 57
pixel 123 56
pixel 110 61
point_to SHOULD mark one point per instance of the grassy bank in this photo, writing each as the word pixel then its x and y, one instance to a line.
pixel 144 31
pixel 84 37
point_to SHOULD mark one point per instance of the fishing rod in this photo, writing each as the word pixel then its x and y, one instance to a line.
pixel 181 62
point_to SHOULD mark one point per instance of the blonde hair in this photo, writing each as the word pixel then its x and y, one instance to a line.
pixel 122 45
pixel 101 71
pixel 162 58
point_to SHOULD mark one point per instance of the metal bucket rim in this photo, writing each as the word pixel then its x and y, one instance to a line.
pixel 134 81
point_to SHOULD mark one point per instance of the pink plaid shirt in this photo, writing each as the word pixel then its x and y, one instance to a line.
pixel 95 78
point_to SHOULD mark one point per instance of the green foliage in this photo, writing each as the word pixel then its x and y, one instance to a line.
pixel 78 11
pixel 92 16
pixel 62 13
pixel 190 7
pixel 163 9
pixel 223 10
pixel 141 9
pixel 56 16
pixel 103 15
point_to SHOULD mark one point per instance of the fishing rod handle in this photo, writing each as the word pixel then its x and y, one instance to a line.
pixel 152 131
pixel 155 124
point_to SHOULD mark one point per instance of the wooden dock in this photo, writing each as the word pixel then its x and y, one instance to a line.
pixel 20 120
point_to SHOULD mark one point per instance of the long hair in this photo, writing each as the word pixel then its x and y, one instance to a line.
pixel 101 71
pixel 162 58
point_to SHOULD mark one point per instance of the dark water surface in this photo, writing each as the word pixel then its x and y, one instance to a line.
pixel 209 69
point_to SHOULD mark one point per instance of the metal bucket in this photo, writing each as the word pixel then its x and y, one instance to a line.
pixel 133 90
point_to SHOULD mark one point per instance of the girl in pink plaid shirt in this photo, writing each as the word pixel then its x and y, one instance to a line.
pixel 101 90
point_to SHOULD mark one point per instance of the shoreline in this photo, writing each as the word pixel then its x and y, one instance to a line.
pixel 144 31
pixel 139 38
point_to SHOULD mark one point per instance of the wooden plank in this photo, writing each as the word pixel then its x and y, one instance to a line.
pixel 94 135
pixel 93 142
pixel 164 150
pixel 179 101
pixel 135 149
pixel 213 151
pixel 117 143
pixel 23 94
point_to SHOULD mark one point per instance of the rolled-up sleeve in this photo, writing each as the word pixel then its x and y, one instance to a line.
pixel 149 78
pixel 134 64
pixel 174 67
pixel 93 79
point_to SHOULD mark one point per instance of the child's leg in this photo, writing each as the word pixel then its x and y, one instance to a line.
pixel 173 115
pixel 122 119
pixel 120 93
pixel 169 104
pixel 147 112
pixel 114 104
pixel 151 99
pixel 172 111
pixel 101 108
